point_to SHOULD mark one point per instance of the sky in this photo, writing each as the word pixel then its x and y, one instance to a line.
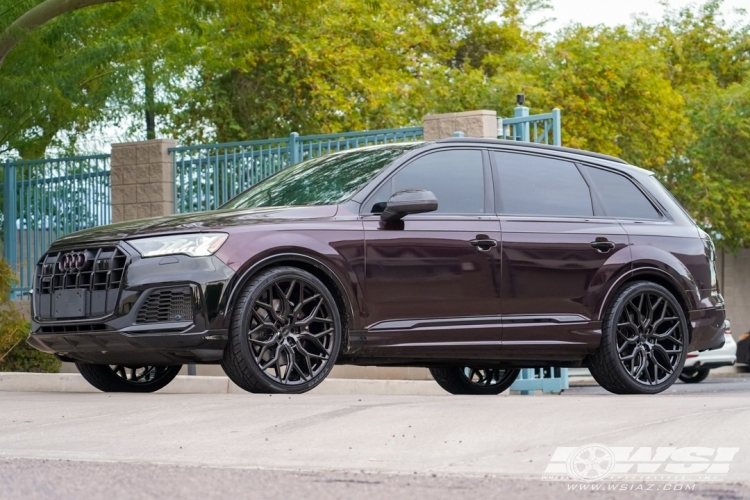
pixel 614 12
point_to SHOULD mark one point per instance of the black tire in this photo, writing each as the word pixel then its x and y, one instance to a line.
pixel 658 342
pixel 126 378
pixel 694 376
pixel 474 381
pixel 285 333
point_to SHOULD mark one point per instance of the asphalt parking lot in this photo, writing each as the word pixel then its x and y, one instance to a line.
pixel 75 445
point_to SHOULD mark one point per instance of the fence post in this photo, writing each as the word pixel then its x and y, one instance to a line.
pixel 518 112
pixel 142 178
pixel 293 146
pixel 556 128
pixel 9 213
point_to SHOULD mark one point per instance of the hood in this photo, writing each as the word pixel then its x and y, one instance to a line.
pixel 197 222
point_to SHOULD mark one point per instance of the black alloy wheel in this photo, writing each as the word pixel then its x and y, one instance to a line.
pixel 285 334
pixel 644 341
pixel 128 378
pixel 693 376
pixel 473 380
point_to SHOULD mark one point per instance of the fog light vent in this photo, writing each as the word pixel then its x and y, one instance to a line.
pixel 167 305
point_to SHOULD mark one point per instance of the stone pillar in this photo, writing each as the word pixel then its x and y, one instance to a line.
pixel 481 123
pixel 142 180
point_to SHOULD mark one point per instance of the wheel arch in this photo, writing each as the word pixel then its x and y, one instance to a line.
pixel 314 266
pixel 653 275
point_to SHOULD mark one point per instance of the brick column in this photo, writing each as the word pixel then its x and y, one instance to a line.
pixel 142 180
pixel 480 123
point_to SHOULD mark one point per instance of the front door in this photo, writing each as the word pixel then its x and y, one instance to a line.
pixel 432 280
pixel 559 253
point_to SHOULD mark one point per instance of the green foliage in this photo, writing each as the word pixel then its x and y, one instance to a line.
pixel 25 358
pixel 15 354
pixel 670 95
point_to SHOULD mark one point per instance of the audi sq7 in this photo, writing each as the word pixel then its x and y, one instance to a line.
pixel 471 257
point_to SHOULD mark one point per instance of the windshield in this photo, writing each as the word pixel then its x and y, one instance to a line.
pixel 326 180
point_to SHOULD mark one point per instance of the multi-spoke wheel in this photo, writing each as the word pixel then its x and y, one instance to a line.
pixel 644 338
pixel 285 334
pixel 128 378
pixel 472 380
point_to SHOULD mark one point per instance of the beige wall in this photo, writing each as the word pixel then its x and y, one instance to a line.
pixel 734 278
pixel 142 180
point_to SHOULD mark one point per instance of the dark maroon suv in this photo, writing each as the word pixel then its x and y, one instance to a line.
pixel 472 257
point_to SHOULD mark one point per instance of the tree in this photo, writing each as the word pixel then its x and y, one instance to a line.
pixel 31 19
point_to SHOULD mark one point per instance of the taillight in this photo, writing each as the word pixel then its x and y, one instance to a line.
pixel 692 355
pixel 710 251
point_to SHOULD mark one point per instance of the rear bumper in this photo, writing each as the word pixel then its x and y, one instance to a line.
pixel 725 356
pixel 707 327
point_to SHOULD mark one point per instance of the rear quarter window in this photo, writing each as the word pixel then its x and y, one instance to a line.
pixel 620 196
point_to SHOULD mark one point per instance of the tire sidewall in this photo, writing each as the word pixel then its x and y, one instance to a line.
pixel 611 330
pixel 105 379
pixel 258 286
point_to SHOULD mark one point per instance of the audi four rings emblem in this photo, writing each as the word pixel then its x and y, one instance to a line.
pixel 72 261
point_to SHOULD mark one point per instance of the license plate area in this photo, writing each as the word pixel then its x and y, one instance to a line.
pixel 70 303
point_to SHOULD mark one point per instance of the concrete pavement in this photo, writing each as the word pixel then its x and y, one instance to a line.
pixel 510 436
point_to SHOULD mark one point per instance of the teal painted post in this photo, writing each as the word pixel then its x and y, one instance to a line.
pixel 518 112
pixel 459 134
pixel 9 215
pixel 556 128
pixel 294 156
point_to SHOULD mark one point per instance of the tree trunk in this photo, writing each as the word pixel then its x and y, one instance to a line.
pixel 37 16
pixel 148 79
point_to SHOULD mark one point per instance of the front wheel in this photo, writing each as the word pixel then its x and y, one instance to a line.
pixel 472 380
pixel 285 333
pixel 694 376
pixel 127 378
pixel 644 341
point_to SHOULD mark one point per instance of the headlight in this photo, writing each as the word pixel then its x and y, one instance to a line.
pixel 195 245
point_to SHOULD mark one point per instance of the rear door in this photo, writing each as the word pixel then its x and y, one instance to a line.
pixel 558 253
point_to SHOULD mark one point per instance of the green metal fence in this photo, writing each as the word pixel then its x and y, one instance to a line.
pixel 542 129
pixel 207 176
pixel 46 199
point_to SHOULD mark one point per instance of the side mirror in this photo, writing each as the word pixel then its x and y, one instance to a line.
pixel 410 201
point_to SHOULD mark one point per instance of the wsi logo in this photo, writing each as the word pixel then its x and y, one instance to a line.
pixel 597 462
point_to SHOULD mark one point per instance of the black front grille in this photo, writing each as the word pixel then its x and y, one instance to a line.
pixel 87 290
pixel 73 328
pixel 167 305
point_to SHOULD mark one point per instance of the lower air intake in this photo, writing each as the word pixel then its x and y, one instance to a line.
pixel 167 305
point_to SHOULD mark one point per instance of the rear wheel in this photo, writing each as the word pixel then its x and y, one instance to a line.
pixel 472 380
pixel 644 341
pixel 285 333
pixel 128 378
pixel 694 376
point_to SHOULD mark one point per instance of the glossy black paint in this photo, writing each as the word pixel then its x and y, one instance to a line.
pixel 430 289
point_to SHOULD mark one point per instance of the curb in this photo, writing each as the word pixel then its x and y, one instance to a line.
pixel 184 384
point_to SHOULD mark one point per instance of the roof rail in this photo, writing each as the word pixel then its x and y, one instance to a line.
pixel 533 145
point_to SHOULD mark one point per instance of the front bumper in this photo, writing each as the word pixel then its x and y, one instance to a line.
pixel 123 338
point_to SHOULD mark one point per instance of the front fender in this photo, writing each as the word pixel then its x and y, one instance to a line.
pixel 338 259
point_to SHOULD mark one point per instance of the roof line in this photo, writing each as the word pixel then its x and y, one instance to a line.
pixel 531 145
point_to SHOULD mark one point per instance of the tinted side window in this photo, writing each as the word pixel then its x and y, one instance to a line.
pixel 455 177
pixel 620 196
pixel 533 185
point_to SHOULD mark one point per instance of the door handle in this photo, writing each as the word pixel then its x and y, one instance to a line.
pixel 484 244
pixel 602 245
